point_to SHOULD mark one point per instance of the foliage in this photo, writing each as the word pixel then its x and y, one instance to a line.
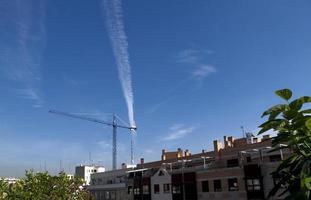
pixel 42 186
pixel 292 123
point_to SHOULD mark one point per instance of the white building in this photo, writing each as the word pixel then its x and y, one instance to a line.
pixel 10 180
pixel 85 171
pixel 109 185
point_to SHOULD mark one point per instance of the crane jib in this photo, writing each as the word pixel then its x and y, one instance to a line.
pixel 114 132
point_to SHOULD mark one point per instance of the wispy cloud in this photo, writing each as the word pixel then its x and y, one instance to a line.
pixel 104 144
pixel 113 10
pixel 197 61
pixel 71 82
pixel 30 94
pixel 192 55
pixel 178 131
pixel 203 71
pixel 22 45
pixel 150 151
pixel 198 67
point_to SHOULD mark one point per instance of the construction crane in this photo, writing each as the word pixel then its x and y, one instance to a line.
pixel 114 125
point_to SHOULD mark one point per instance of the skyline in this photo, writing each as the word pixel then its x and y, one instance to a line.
pixel 199 70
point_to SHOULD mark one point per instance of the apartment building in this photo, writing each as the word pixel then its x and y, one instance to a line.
pixel 85 171
pixel 161 185
pixel 235 169
pixel 140 182
pixel 110 185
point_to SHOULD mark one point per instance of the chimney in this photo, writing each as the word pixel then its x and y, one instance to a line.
pixel 226 141
pixel 179 153
pixel 265 137
pixel 163 154
pixel 217 146
pixel 123 166
pixel 187 152
pixel 230 141
pixel 142 161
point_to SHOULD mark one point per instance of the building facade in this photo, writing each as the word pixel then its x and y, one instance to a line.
pixel 110 185
pixel 237 169
pixel 85 171
pixel 161 183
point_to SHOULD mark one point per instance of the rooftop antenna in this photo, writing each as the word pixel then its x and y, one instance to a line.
pixel 60 166
pixel 243 131
pixel 90 158
pixel 69 168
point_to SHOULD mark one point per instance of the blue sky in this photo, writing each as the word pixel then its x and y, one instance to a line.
pixel 200 70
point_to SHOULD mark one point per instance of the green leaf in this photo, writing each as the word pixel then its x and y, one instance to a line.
pixel 284 93
pixel 305 99
pixel 275 110
pixel 290 114
pixel 307 183
pixel 297 103
pixel 308 124
pixel 271 124
pixel 306 111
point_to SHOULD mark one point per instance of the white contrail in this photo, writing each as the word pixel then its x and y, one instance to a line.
pixel 22 44
pixel 119 43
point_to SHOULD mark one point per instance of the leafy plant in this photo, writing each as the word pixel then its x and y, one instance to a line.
pixel 292 123
pixel 42 186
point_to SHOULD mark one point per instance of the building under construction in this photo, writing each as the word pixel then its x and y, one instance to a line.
pixel 235 169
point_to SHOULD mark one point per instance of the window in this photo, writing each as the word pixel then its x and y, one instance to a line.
pixel 107 195
pixel 102 194
pixel 97 195
pixel 253 184
pixel 130 189
pixel 249 159
pixel 136 191
pixel 156 188
pixel 145 189
pixel 233 184
pixel 112 195
pixel 176 189
pixel 205 187
pixel 217 185
pixel 276 180
pixel 275 158
pixel 233 163
pixel 166 188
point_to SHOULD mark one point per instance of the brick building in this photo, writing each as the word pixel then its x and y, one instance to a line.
pixel 235 169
